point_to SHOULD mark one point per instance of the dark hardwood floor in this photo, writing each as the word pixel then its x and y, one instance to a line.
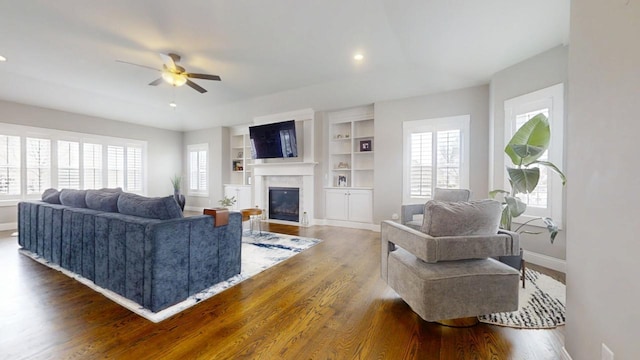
pixel 325 303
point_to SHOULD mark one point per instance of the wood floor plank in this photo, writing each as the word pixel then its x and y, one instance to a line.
pixel 327 302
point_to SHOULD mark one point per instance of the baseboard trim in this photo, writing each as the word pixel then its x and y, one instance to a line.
pixel 8 226
pixel 565 354
pixel 194 208
pixel 351 224
pixel 546 261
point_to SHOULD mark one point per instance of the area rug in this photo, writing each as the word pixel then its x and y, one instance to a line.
pixel 260 251
pixel 541 305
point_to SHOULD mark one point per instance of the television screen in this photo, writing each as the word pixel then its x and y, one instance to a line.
pixel 276 140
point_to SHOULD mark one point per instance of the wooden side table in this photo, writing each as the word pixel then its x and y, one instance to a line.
pixel 252 215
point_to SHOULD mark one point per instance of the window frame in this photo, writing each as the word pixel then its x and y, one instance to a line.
pixel 53 136
pixel 198 148
pixel 551 97
pixel 435 125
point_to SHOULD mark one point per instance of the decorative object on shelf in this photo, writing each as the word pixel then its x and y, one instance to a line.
pixel 343 165
pixel 227 202
pixel 339 136
pixel 342 181
pixel 176 181
pixel 240 153
pixel 365 145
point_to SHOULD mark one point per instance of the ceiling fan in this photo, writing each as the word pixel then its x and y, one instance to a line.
pixel 176 75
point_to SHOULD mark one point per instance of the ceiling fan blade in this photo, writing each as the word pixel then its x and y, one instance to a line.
pixel 156 82
pixel 168 61
pixel 204 76
pixel 144 66
pixel 196 86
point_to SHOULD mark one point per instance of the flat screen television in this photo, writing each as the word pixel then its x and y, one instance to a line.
pixel 275 140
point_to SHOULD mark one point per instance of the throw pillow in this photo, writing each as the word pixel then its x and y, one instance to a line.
pixel 442 218
pixel 73 198
pixel 102 200
pixel 51 196
pixel 163 208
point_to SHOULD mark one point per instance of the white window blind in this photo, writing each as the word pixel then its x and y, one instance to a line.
pixel 68 164
pixel 92 163
pixel 435 151
pixel 38 165
pixel 134 169
pixel 198 169
pixel 9 165
pixel 115 166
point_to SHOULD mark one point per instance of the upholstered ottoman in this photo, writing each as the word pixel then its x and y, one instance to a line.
pixel 453 289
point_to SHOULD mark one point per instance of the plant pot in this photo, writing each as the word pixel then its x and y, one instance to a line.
pixel 180 199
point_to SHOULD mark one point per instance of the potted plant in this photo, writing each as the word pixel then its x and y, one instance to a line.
pixel 524 149
pixel 227 202
pixel 176 182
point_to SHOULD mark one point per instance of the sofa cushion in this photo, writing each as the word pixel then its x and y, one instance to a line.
pixel 443 218
pixel 103 200
pixel 51 196
pixel 73 198
pixel 162 208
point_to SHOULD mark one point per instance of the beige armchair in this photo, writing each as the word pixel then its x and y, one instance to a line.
pixel 445 271
pixel 411 214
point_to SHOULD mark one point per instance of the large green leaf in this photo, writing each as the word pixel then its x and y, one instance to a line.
pixel 534 132
pixel 553 167
pixel 494 193
pixel 525 151
pixel 524 180
pixel 515 205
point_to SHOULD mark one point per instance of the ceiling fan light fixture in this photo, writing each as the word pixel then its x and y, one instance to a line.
pixel 173 78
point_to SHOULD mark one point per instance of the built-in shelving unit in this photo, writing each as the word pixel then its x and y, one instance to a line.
pixel 241 160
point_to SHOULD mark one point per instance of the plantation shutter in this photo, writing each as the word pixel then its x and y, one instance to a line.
pixel 202 170
pixel 92 162
pixel 115 166
pixel 448 159
pixel 9 165
pixel 134 169
pixel 68 165
pixel 421 168
pixel 38 153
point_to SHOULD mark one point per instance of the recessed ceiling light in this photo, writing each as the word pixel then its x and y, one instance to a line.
pixel 172 104
pixel 2 58
pixel 358 57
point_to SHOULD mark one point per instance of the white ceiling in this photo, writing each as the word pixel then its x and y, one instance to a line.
pixel 272 55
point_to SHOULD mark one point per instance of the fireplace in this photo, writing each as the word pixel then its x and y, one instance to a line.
pixel 284 203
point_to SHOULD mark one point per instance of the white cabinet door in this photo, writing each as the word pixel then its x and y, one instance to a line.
pixel 360 205
pixel 242 195
pixel 336 204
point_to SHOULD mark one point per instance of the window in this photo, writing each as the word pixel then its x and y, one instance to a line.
pixel 34 159
pixel 435 155
pixel 68 164
pixel 134 169
pixel 198 174
pixel 546 199
pixel 92 158
pixel 9 165
pixel 38 165
pixel 115 166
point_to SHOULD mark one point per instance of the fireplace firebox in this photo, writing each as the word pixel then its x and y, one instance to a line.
pixel 284 203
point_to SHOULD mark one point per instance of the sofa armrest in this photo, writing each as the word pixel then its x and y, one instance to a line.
pixel 414 241
pixel 407 212
pixel 515 241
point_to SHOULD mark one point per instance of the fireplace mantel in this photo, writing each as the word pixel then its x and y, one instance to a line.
pixel 284 169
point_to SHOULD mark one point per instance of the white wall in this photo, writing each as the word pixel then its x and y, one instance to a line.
pixel 538 72
pixel 219 164
pixel 389 116
pixel 603 195
pixel 164 154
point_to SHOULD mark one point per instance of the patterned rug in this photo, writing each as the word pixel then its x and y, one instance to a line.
pixel 541 305
pixel 260 251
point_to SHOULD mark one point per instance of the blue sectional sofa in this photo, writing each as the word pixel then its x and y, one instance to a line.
pixel 141 248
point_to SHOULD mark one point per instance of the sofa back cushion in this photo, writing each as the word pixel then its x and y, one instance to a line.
pixel 51 196
pixel 73 198
pixel 103 199
pixel 442 218
pixel 162 208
